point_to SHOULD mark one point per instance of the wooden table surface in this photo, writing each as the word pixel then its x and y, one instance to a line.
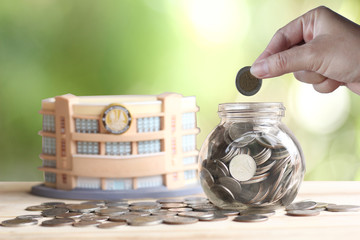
pixel 15 197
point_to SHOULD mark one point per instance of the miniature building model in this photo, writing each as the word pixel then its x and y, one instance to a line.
pixel 119 142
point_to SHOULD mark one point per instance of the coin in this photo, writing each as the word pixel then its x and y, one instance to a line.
pixel 246 83
pixel 263 212
pixel 54 204
pixel 177 220
pixel 144 221
pixel 58 222
pixel 70 215
pixel 83 223
pixel 231 184
pixel 29 217
pixel 145 204
pixel 242 167
pixel 83 208
pixel 111 225
pixel 342 208
pixel 227 212
pixel 303 213
pixel 251 218
pixel 111 211
pixel 144 208
pixel 198 215
pixel 222 193
pixel 304 205
pixel 183 209
pixel 218 216
pixel 54 212
pixel 16 222
pixel 38 208
pixel 173 205
pixel 170 200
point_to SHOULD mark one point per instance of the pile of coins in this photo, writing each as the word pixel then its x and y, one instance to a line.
pixel 249 166
pixel 105 214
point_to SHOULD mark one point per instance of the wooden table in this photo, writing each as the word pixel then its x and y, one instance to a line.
pixel 15 197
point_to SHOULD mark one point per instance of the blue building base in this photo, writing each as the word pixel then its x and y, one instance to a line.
pixel 113 195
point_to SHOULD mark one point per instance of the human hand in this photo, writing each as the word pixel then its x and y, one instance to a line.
pixel 320 47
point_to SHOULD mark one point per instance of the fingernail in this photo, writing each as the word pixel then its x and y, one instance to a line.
pixel 260 69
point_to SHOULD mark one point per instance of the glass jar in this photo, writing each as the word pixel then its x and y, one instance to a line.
pixel 251 159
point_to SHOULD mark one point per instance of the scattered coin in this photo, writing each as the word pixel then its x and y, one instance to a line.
pixel 173 205
pixel 83 223
pixel 54 212
pixel 144 221
pixel 303 213
pixel 251 218
pixel 29 217
pixel 304 205
pixel 198 215
pixel 111 225
pixel 58 222
pixel 19 222
pixel 177 220
pixel 38 208
pixel 264 212
pixel 343 208
pixel 246 83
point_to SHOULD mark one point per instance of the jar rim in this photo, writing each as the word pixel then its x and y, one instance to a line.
pixel 276 108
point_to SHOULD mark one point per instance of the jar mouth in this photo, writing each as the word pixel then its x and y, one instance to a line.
pixel 248 109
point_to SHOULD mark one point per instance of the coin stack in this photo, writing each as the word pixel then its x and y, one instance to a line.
pixel 247 166
pixel 105 214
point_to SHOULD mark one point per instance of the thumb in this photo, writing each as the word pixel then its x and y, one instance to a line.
pixel 295 59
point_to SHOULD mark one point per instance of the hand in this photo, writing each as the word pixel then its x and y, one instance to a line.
pixel 321 48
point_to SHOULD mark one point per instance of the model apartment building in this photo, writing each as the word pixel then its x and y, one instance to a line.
pixel 119 142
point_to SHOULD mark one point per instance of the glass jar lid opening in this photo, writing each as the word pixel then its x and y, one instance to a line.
pixel 252 109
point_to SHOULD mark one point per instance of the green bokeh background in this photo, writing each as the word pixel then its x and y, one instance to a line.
pixel 116 47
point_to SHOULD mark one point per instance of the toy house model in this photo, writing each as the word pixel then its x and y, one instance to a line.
pixel 124 143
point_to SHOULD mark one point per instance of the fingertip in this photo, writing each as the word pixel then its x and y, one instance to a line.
pixel 260 69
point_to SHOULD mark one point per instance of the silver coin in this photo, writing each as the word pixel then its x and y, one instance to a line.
pixel 192 200
pixel 198 215
pixel 216 169
pixel 231 184
pixel 144 221
pixel 177 220
pixel 222 193
pixel 83 208
pixel 263 156
pixel 303 205
pixel 218 216
pixel 207 177
pixel 244 140
pixel 117 204
pixel 269 141
pixel 303 213
pixel 183 209
pixel 144 208
pixel 251 218
pixel 54 212
pixel 58 222
pixel 99 203
pixel 29 217
pixel 54 204
pixel 227 212
pixel 264 212
pixel 38 208
pixel 246 83
pixel 16 222
pixel 94 218
pixel 237 129
pixel 83 223
pixel 242 167
pixel 204 207
pixel 173 205
pixel 231 152
pixel 342 208
pixel 70 215
pixel 111 211
pixel 111 225
pixel 149 203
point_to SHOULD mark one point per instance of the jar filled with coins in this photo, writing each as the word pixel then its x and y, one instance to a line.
pixel 251 159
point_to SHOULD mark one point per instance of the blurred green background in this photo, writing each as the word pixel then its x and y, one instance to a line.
pixel 193 47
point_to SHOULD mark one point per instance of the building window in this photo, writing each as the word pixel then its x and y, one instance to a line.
pixel 88 182
pixel 153 181
pixel 148 124
pixel 50 177
pixel 188 120
pixel 48 123
pixel 190 176
pixel 118 184
pixel 86 125
pixel 49 163
pixel 49 145
pixel 88 148
pixel 189 160
pixel 188 143
pixel 118 148
pixel 149 146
